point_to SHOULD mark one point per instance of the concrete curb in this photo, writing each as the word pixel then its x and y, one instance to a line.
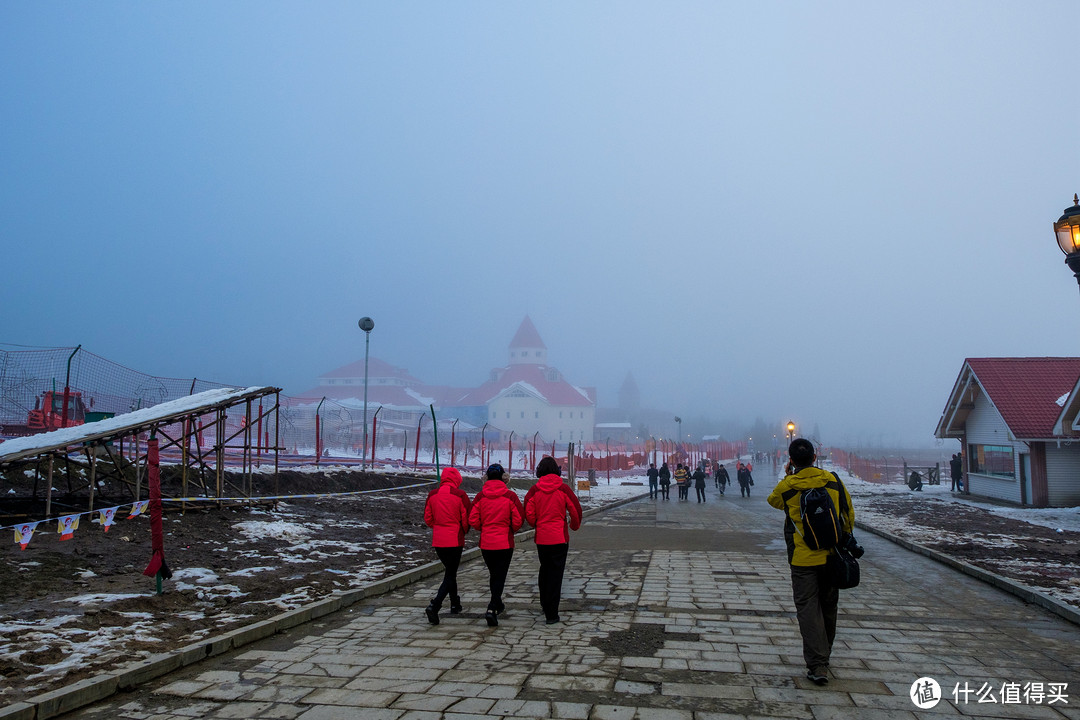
pixel 71 697
pixel 1002 583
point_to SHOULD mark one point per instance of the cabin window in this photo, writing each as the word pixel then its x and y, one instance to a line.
pixel 996 460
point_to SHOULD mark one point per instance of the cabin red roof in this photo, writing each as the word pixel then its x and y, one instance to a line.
pixel 1026 390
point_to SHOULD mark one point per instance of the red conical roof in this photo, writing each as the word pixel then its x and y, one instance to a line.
pixel 527 336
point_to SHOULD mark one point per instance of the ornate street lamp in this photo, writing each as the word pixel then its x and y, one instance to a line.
pixel 790 432
pixel 367 325
pixel 1067 230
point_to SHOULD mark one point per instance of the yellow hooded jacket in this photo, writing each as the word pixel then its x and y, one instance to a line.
pixel 786 496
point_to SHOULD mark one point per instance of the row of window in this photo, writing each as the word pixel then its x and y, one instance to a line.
pixel 536 414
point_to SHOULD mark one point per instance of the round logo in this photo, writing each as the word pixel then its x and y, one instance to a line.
pixel 925 693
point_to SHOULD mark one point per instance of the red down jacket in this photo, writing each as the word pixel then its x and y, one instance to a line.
pixel 547 505
pixel 497 514
pixel 447 511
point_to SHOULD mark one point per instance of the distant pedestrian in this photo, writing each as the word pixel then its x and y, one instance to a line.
pixel 813 588
pixel 722 478
pixel 553 509
pixel 654 481
pixel 497 513
pixel 746 480
pixel 665 481
pixel 699 484
pixel 446 512
pixel 915 481
pixel 682 482
pixel 956 471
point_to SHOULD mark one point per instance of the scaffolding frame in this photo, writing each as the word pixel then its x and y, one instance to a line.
pixel 201 469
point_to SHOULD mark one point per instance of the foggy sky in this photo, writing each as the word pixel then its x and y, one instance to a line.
pixel 811 211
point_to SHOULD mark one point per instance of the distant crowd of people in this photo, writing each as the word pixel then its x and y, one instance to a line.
pixel 660 479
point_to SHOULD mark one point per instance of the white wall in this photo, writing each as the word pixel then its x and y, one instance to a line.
pixel 576 423
pixel 985 427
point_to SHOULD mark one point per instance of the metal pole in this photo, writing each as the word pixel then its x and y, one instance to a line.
pixel 367 343
pixel 483 444
pixel 374 420
pixel 67 389
pixel 453 454
pixel 367 325
pixel 435 432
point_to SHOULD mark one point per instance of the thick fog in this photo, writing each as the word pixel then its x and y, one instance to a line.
pixel 807 211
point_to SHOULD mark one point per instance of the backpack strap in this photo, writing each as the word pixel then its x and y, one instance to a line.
pixel 843 496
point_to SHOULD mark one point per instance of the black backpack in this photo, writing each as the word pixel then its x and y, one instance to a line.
pixel 821 524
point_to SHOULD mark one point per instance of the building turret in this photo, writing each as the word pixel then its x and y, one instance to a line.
pixel 527 348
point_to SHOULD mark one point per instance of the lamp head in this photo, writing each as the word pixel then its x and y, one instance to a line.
pixel 1067 228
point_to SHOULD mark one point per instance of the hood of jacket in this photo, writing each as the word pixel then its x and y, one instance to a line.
pixel 451 476
pixel 493 489
pixel 548 483
pixel 808 478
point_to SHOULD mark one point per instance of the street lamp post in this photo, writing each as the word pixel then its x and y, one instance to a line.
pixel 790 432
pixel 1067 230
pixel 367 325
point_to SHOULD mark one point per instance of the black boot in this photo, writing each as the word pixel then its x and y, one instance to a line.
pixel 432 613
pixel 455 604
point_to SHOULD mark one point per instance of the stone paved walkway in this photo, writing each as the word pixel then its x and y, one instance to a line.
pixel 671 610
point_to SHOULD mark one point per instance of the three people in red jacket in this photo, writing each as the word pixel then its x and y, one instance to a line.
pixel 446 512
pixel 553 509
pixel 550 506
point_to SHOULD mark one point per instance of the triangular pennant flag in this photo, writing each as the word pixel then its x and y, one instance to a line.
pixel 67 526
pixel 137 508
pixel 107 517
pixel 24 532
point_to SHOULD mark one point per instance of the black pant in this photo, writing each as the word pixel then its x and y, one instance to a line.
pixel 744 489
pixel 549 579
pixel 700 494
pixel 665 490
pixel 816 599
pixel 451 559
pixel 498 564
pixel 652 489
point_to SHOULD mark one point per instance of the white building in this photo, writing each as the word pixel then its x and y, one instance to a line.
pixel 528 396
pixel 1018 422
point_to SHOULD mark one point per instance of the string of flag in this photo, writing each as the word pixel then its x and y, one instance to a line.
pixel 66 525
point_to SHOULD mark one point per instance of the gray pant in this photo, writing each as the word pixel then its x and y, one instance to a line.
pixel 816 598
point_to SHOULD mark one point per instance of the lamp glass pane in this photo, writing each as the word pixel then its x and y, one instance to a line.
pixel 1068 238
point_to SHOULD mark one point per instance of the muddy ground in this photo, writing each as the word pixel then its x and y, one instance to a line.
pixel 1038 556
pixel 354 540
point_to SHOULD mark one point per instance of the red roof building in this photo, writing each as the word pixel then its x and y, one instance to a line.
pixel 526 397
pixel 1016 420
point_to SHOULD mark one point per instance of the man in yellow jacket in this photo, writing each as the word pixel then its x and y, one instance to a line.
pixel 815 593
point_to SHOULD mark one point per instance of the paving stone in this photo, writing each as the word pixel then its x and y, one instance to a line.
pixel 726 642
